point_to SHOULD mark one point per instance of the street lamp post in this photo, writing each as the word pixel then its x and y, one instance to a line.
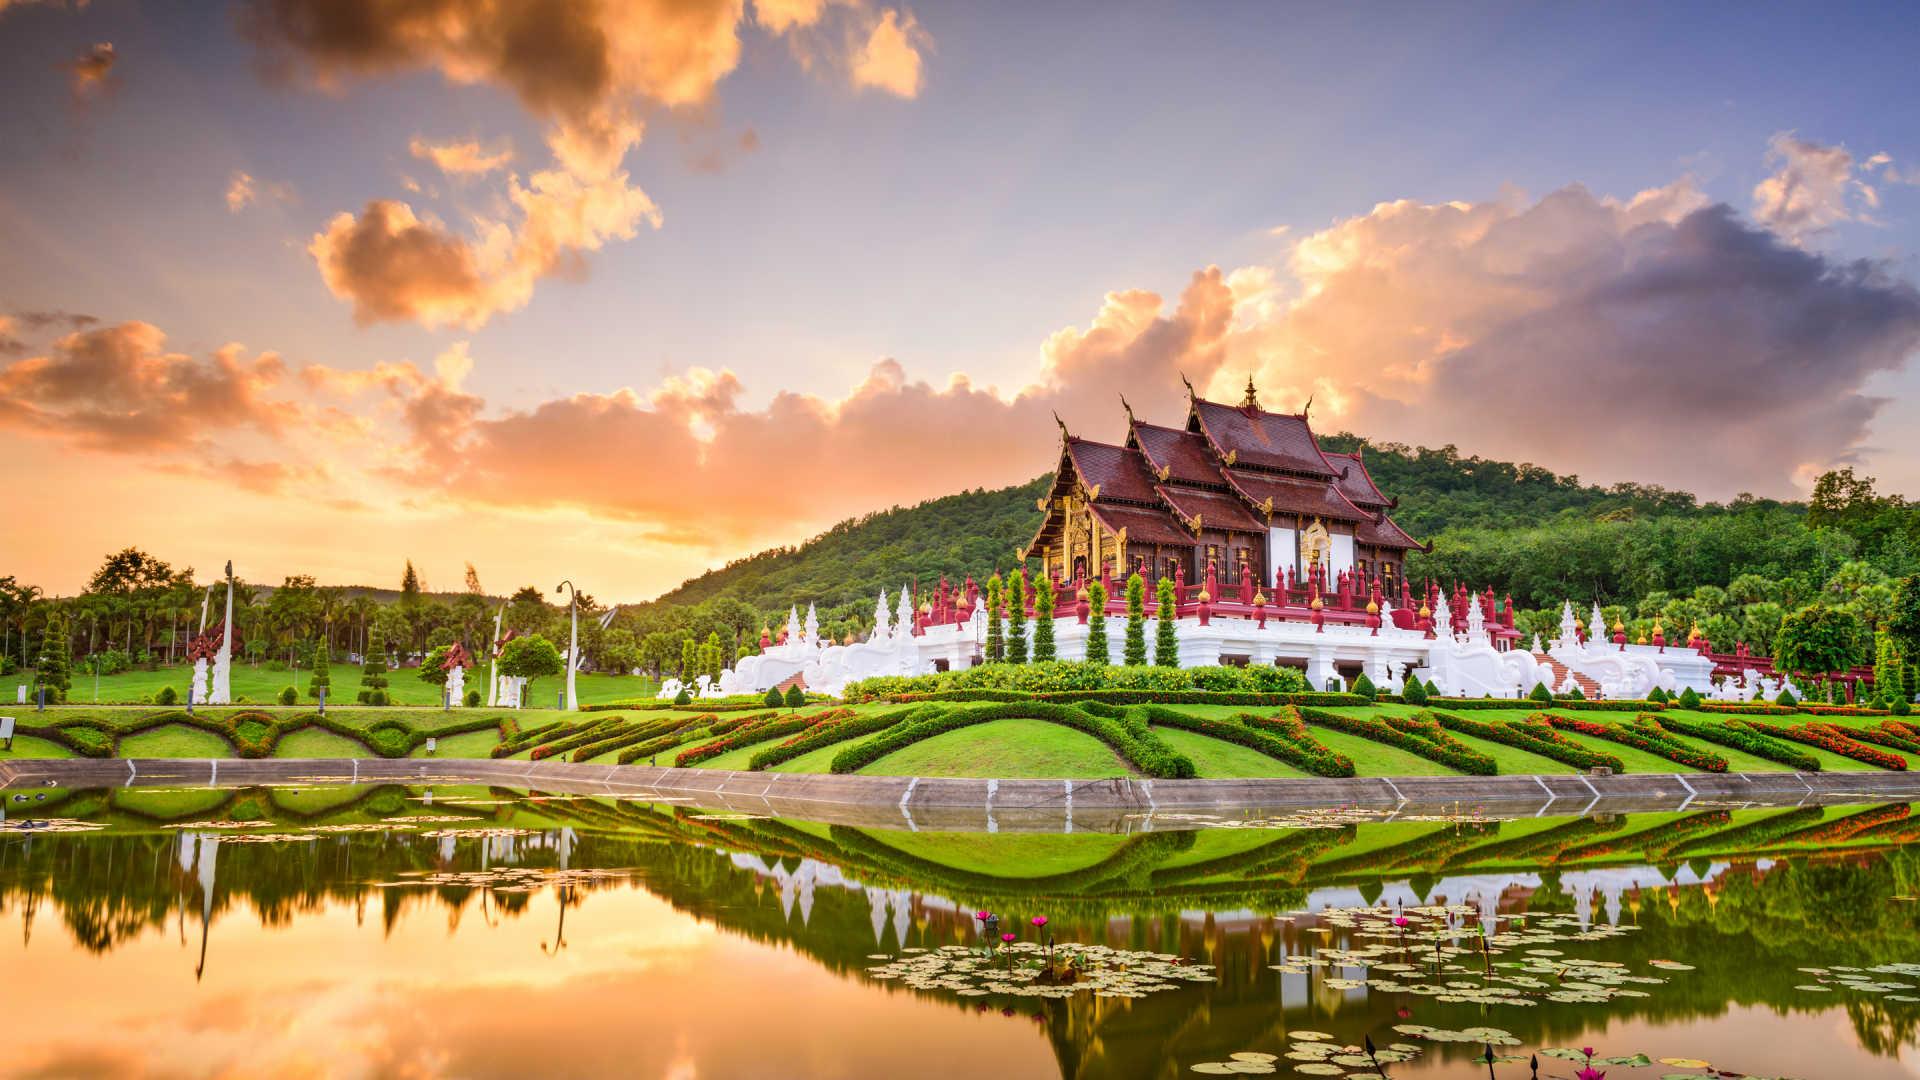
pixel 573 640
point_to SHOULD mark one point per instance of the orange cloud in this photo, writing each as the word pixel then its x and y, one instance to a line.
pixel 890 59
pixel 118 389
pixel 88 72
pixel 464 157
pixel 243 191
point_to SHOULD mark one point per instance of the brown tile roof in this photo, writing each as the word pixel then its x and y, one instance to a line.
pixel 1386 533
pixel 1217 510
pixel 1293 495
pixel 1146 526
pixel 1357 485
pixel 1260 438
pixel 1184 454
pixel 1120 472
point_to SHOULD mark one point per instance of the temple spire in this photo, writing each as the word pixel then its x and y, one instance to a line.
pixel 1064 434
pixel 1252 400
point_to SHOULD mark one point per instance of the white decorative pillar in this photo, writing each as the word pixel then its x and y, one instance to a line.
pixel 493 662
pixel 221 693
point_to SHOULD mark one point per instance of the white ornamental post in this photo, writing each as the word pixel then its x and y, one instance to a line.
pixel 573 641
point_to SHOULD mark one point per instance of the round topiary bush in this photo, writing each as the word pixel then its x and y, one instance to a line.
pixel 683 698
pixel 376 697
pixel 289 696
pixel 1414 693
pixel 773 699
pixel 1787 699
pixel 1689 698
pixel 796 697
pixel 167 696
pixel 473 699
pixel 1540 693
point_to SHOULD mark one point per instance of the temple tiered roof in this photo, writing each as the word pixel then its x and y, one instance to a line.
pixel 1234 468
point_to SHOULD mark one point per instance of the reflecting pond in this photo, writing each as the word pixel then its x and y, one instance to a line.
pixel 479 932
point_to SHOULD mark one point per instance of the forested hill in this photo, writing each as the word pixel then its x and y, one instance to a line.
pixel 1441 493
pixel 974 532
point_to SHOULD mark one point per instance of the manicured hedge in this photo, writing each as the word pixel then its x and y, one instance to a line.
pixel 1277 738
pixel 1061 676
pixel 1433 848
pixel 1416 735
pixel 1294 850
pixel 1752 834
pixel 1538 739
pixel 836 731
pixel 1841 710
pixel 977 694
pixel 641 732
pixel 538 734
pixel 1743 739
pixel 1129 736
pixel 1849 826
pixel 1540 846
pixel 1883 736
pixel 731 723
pixel 1743 709
pixel 1649 738
pixel 1572 704
pixel 748 734
pixel 1832 739
pixel 1657 839
pixel 1202 697
pixel 590 733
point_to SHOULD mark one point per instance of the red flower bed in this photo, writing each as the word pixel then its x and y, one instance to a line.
pixel 1832 832
pixel 1649 737
pixel 759 731
pixel 1832 739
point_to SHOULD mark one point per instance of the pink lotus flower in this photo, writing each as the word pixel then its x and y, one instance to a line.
pixel 1008 938
pixel 1587 1050
pixel 1401 921
pixel 1039 921
pixel 983 916
pixel 1590 1073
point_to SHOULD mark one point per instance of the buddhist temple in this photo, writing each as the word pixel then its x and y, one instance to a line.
pixel 1245 490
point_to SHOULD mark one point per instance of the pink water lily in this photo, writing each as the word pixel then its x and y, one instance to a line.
pixel 1039 921
pixel 1006 938
pixel 1590 1073
pixel 983 916
pixel 1401 921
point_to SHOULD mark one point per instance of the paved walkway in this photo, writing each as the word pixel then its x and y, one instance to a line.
pixel 1118 805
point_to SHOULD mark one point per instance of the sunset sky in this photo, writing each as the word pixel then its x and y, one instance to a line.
pixel 617 291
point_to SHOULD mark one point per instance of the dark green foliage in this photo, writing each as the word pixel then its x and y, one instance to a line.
pixel 1166 641
pixel 473 699
pixel 683 697
pixel 1433 689
pixel 289 696
pixel 53 668
pixel 1097 647
pixel 1530 738
pixel 1818 639
pixel 774 700
pixel 373 669
pixel 1657 695
pixel 1540 693
pixel 1419 735
pixel 796 697
pixel 1364 687
pixel 1043 602
pixel 1281 737
pixel 1786 698
pixel 1689 698
pixel 530 658
pixel 1064 676
pixel 1134 652
pixel 167 696
pixel 322 678
pixel 1576 694
pixel 1414 694
pixel 433 666
pixel 1647 735
pixel 1017 617
pixel 1904 622
pixel 996 646
pixel 840 731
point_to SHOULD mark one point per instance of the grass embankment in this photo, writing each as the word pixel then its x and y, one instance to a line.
pixel 1010 746
pixel 261 685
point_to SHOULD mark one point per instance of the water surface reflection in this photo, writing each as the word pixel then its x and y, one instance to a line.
pixel 483 932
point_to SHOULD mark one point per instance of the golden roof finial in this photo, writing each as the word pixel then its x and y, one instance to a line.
pixel 1188 383
pixel 1063 426
pixel 1260 597
pixel 1129 408
pixel 1252 400
pixel 1373 607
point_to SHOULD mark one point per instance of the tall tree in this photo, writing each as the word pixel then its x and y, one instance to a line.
pixel 1017 620
pixel 1166 642
pixel 473 582
pixel 1043 602
pixel 53 668
pixel 410 588
pixel 1097 649
pixel 1816 640
pixel 996 631
pixel 1135 652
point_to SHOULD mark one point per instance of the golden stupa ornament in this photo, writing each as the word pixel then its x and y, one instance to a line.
pixel 1260 597
pixel 1373 607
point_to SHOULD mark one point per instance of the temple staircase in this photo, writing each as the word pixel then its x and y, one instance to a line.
pixel 1587 686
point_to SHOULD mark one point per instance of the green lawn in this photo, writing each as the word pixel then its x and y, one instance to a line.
pixel 1217 758
pixel 314 743
pixel 1009 854
pixel 175 741
pixel 256 684
pixel 1007 749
